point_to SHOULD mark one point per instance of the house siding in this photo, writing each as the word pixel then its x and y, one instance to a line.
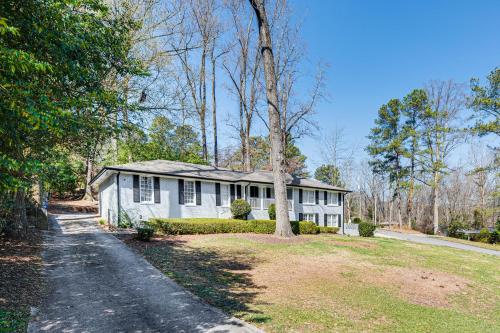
pixel 108 200
pixel 169 206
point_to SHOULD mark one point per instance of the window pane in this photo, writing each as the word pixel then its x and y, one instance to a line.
pixel 309 197
pixel 309 217
pixel 189 192
pixel 254 192
pixel 224 194
pixel 146 189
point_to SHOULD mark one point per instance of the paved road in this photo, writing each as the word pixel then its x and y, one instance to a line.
pixel 97 284
pixel 425 239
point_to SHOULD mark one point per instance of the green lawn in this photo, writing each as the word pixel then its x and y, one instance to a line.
pixel 330 283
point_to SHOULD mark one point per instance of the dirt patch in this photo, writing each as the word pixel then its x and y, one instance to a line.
pixel 418 286
pixel 73 206
pixel 269 239
pixel 358 245
pixel 21 282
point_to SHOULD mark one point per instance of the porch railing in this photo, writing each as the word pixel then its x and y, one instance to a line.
pixel 254 203
pixel 264 203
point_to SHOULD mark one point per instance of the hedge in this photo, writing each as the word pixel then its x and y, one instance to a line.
pixel 220 226
pixel 328 230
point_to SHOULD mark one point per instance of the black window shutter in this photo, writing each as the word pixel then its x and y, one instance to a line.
pixel 326 219
pixel 156 184
pixel 217 194
pixel 181 191
pixel 317 197
pixel 340 199
pixel 317 217
pixel 232 191
pixel 340 220
pixel 301 217
pixel 198 193
pixel 238 191
pixel 137 194
pixel 300 195
pixel 326 198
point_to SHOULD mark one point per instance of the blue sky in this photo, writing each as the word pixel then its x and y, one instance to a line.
pixel 378 50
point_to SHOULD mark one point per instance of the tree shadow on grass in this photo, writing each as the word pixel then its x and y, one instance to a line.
pixel 220 278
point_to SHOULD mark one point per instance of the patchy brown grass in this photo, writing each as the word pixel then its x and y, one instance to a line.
pixel 21 281
pixel 331 283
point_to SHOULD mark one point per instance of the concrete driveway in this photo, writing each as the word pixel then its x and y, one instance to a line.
pixel 425 239
pixel 97 284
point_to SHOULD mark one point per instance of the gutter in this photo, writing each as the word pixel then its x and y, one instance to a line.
pixel 207 178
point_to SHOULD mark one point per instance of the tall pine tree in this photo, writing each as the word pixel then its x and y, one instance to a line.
pixel 388 149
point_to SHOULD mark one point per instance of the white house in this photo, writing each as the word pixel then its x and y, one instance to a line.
pixel 171 189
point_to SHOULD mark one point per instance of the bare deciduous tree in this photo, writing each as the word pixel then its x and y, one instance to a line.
pixel 283 227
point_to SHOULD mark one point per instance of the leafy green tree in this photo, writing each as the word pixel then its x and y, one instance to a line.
pixel 388 149
pixel 486 105
pixel 328 174
pixel 55 59
pixel 163 140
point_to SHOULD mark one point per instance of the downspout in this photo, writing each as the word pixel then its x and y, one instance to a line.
pixel 343 212
pixel 118 200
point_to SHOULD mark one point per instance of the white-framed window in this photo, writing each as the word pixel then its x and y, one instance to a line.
pixel 309 197
pixel 189 193
pixel 333 199
pixel 224 195
pixel 146 189
pixel 332 220
pixel 309 217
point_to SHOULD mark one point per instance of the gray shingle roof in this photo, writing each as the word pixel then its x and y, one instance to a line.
pixel 189 170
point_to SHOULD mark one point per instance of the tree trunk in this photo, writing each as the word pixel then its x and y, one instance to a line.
pixel 409 205
pixel 400 220
pixel 248 165
pixel 435 203
pixel 88 178
pixel 283 227
pixel 203 106
pixel 19 228
pixel 214 115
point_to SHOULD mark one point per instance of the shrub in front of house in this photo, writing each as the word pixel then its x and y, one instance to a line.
pixel 219 226
pixel 483 236
pixel 240 209
pixel 271 210
pixel 494 237
pixel 366 229
pixel 304 228
pixel 126 220
pixel 455 229
pixel 144 233
pixel 102 221
pixel 328 230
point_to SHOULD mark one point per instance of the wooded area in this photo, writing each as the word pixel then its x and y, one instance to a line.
pixel 92 83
